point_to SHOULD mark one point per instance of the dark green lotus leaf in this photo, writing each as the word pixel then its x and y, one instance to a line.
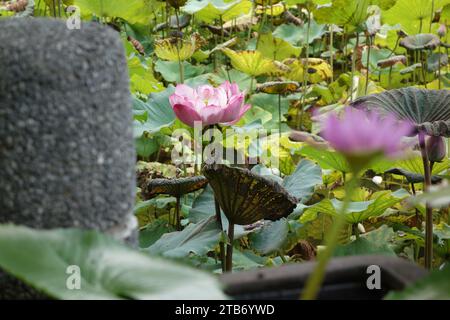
pixel 436 60
pixel 387 63
pixel 411 68
pixel 420 41
pixel 246 197
pixel 429 110
pixel 173 187
pixel 278 87
pixel 412 177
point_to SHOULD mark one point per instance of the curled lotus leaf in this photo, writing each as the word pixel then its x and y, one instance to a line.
pixel 429 110
pixel 278 87
pixel 411 68
pixel 413 177
pixel 183 20
pixel 387 63
pixel 173 187
pixel 422 41
pixel 246 197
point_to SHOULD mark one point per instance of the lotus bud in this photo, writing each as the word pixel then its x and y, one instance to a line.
pixel 435 149
pixel 442 31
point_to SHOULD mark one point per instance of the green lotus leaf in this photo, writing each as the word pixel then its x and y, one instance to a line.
pixel 271 237
pixel 433 287
pixel 348 13
pixel 275 48
pixel 436 60
pixel 429 110
pixel 133 11
pixel 173 187
pixel 108 269
pixel 358 211
pixel 298 34
pixel 209 10
pixel 246 197
pixel 423 41
pixel 195 239
pixel 413 15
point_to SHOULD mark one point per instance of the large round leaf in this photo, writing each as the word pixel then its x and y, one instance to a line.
pixel 108 270
pixel 429 110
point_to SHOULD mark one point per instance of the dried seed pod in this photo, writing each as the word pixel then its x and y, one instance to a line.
pixel 386 63
pixel 177 3
pixel 290 18
pixel 304 250
pixel 137 45
pixel 17 6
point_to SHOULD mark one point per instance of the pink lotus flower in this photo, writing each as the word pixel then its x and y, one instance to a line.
pixel 224 104
pixel 362 134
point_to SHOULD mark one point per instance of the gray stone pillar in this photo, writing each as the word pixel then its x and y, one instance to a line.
pixel 67 155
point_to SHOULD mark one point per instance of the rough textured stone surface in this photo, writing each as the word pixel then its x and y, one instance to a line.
pixel 66 148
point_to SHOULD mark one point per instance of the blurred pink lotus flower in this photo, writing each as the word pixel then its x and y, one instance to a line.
pixel 360 135
pixel 224 104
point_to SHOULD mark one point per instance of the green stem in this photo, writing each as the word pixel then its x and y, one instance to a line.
pixel 177 214
pixel 221 244
pixel 331 53
pixel 315 280
pixel 354 66
pixel 305 78
pixel 369 45
pixel 180 63
pixel 429 210
pixel 424 75
pixel 229 259
pixel 279 114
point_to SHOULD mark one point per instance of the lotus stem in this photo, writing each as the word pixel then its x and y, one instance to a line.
pixel 252 14
pixel 229 259
pixel 305 78
pixel 369 45
pixel 261 24
pixel 314 282
pixel 424 75
pixel 279 115
pixel 429 210
pixel 177 214
pixel 331 53
pixel 432 14
pixel 180 64
pixel 221 244
pixel 354 65
pixel 390 77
